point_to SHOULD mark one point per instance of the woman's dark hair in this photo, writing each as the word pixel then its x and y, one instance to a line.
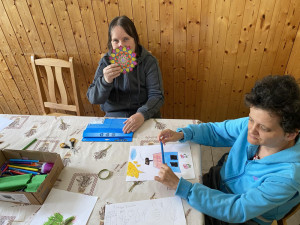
pixel 128 26
pixel 278 94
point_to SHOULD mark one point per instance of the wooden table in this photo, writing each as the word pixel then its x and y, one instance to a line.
pixel 83 163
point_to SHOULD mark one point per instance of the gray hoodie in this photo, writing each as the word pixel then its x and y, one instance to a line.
pixel 140 90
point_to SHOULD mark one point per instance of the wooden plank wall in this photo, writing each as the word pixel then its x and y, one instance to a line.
pixel 211 52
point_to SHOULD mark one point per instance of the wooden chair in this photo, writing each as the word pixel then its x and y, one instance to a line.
pixel 55 87
pixel 283 221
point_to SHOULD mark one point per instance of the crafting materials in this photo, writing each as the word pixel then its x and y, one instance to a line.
pixel 25 161
pixel 15 172
pixel 125 57
pixel 24 171
pixel 27 146
pixel 72 141
pixel 46 167
pixel 23 167
pixel 13 183
pixel 162 152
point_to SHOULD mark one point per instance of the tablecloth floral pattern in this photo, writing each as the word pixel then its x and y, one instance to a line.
pixel 84 161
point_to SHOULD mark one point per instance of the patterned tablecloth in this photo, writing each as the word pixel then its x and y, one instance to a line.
pixel 83 163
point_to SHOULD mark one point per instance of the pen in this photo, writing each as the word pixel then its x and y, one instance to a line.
pixel 23 167
pixel 25 161
pixel 34 140
pixel 24 171
pixel 162 152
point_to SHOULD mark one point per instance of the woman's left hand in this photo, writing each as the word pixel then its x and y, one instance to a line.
pixel 133 123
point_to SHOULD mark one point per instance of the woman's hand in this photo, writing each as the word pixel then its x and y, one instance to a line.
pixel 111 72
pixel 133 123
pixel 167 177
pixel 169 135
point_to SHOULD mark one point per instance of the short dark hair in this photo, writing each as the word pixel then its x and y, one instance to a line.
pixel 278 94
pixel 128 26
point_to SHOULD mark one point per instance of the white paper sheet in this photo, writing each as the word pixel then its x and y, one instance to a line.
pixel 4 122
pixel 67 204
pixel 166 211
pixel 145 161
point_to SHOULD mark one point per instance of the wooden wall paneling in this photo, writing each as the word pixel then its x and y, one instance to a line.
pixel 140 21
pixel 126 8
pixel 101 23
pixel 193 28
pixel 231 48
pixel 219 38
pixel 9 87
pixel 42 29
pixel 89 26
pixel 287 38
pixel 153 26
pixel 180 43
pixel 259 42
pixel 277 26
pixel 293 67
pixel 29 27
pixel 112 9
pixel 7 105
pixel 167 49
pixel 44 35
pixel 243 55
pixel 3 104
pixel 34 39
pixel 71 46
pixel 16 39
pixel 208 8
pixel 57 39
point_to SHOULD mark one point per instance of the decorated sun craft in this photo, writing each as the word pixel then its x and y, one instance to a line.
pixel 125 57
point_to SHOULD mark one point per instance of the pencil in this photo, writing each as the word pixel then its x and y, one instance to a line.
pixel 162 152
pixel 27 146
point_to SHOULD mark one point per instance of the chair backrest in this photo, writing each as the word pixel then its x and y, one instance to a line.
pixel 54 101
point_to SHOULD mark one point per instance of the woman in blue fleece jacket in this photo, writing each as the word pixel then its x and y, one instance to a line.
pixel 137 95
pixel 260 180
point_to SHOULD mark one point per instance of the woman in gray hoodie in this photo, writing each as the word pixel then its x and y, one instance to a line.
pixel 137 95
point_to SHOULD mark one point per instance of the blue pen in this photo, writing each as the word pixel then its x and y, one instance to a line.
pixel 162 152
pixel 25 161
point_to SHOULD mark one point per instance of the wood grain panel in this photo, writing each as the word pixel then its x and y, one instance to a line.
pixel 167 49
pixel 193 28
pixel 293 67
pixel 211 52
pixel 180 26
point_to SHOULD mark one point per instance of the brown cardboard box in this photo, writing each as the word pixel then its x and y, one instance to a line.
pixel 38 197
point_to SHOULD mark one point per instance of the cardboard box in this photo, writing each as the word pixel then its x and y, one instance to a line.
pixel 36 198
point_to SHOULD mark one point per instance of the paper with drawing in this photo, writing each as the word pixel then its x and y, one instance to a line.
pixel 166 211
pixel 65 208
pixel 145 161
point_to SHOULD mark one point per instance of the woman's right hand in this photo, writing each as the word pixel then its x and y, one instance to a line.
pixel 169 135
pixel 111 72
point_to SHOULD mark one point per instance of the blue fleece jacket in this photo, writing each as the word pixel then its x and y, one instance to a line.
pixel 263 190
pixel 140 90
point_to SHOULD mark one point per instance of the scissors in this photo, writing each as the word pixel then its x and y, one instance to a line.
pixel 72 141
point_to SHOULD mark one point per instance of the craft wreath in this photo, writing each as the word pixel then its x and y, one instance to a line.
pixel 124 57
